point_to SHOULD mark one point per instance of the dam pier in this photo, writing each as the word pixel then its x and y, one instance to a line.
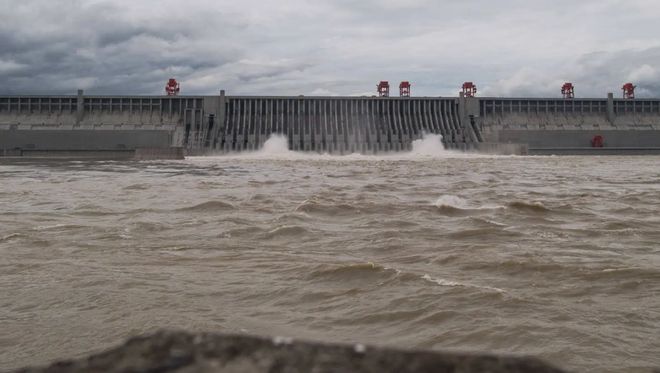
pixel 171 126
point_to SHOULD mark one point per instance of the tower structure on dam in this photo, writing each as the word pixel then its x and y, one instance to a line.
pixel 52 125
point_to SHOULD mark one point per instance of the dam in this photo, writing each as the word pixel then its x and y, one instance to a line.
pixel 164 126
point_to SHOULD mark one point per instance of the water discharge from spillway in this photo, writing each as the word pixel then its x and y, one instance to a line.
pixel 277 147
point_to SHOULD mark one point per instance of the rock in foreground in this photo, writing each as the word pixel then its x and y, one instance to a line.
pixel 173 351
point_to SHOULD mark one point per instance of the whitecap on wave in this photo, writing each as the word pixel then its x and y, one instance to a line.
pixel 443 282
pixel 453 202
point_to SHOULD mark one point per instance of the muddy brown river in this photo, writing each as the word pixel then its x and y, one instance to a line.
pixel 555 257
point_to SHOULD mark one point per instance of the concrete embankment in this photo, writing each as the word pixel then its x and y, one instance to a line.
pixel 170 351
pixel 140 154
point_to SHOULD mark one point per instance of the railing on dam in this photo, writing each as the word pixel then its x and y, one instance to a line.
pixel 490 106
pixel 337 124
pixel 516 105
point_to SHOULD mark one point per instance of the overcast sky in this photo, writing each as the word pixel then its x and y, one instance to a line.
pixel 333 47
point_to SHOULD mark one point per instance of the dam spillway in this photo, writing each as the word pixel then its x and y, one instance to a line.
pixel 338 125
pixel 56 125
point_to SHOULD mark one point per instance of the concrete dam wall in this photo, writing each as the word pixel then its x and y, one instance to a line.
pixel 203 124
pixel 49 125
pixel 568 126
pixel 97 126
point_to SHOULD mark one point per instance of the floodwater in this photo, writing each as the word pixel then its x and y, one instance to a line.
pixel 555 257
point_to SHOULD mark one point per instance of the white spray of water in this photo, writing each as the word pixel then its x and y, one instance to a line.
pixel 276 145
pixel 430 146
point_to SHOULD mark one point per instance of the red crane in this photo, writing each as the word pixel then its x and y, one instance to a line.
pixel 172 87
pixel 404 89
pixel 469 89
pixel 383 88
pixel 568 90
pixel 629 91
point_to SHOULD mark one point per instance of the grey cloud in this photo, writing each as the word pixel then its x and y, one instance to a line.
pixel 99 47
pixel 509 47
pixel 594 75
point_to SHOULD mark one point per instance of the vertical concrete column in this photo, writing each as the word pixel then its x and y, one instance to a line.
pixel 256 128
pixel 80 107
pixel 193 125
pixel 388 125
pixel 279 108
pixel 286 122
pixel 352 126
pixel 363 124
pixel 378 123
pixel 268 123
pixel 329 139
pixel 263 122
pixel 437 118
pixel 232 123
pixel 457 121
pixel 445 121
pixel 440 108
pixel 367 123
pixel 462 109
pixel 362 136
pixel 419 125
pixel 324 130
pixel 219 135
pixel 297 135
pixel 407 122
pixel 307 122
pixel 464 112
pixel 610 107
pixel 403 120
pixel 341 138
pixel 310 115
pixel 449 105
pixel 371 125
pixel 396 128
pixel 432 112
pixel 420 120
pixel 257 124
pixel 426 119
pixel 317 126
pixel 240 129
